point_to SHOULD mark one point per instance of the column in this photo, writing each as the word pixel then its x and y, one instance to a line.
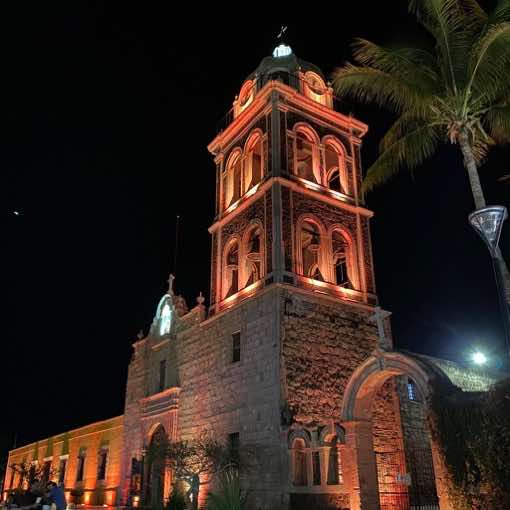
pixel 359 465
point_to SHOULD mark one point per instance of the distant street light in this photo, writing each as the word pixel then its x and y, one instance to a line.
pixel 479 358
pixel 488 223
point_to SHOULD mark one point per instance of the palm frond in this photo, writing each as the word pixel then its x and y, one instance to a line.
pixel 407 122
pixel 497 121
pixel 452 27
pixel 414 66
pixel 501 13
pixel 489 59
pixel 481 145
pixel 370 85
pixel 410 151
pixel 476 14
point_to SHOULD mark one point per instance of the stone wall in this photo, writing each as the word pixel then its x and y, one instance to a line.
pixel 466 378
pixel 323 343
pixel 226 397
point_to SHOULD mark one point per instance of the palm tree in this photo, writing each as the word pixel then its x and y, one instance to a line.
pixel 458 92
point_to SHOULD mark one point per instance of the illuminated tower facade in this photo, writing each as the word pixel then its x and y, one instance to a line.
pixel 288 203
pixel 290 362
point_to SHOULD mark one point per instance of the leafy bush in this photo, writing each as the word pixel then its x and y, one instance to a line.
pixel 228 496
pixel 473 434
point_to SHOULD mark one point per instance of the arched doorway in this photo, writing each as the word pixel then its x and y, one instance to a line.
pixel 385 417
pixel 156 468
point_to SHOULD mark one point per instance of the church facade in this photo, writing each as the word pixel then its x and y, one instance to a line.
pixel 292 357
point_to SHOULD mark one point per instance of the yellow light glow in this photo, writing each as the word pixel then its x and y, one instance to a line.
pixel 247 291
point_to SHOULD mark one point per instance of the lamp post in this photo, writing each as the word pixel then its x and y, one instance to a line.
pixel 488 223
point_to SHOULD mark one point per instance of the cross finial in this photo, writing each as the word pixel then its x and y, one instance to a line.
pixel 200 299
pixel 379 317
pixel 170 280
pixel 283 29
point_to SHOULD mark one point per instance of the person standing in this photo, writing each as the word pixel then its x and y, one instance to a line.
pixel 56 495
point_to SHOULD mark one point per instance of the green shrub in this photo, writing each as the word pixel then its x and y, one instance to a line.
pixel 228 495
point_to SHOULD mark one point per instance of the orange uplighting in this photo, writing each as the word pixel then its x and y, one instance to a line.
pixel 242 294
pixel 252 190
pixel 110 498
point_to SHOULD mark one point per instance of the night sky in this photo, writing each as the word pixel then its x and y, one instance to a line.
pixel 105 115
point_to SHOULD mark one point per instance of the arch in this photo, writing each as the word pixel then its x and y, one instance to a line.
pixel 254 159
pixel 155 485
pixel 369 376
pixel 252 139
pixel 306 152
pixel 155 427
pixel 299 443
pixel 351 254
pixel 230 266
pixel 232 178
pixel 252 258
pixel 335 164
pixel 330 439
pixel 299 434
pixel 307 130
pixel 302 246
pixel 333 430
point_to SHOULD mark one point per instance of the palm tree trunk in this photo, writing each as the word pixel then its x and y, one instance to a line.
pixel 506 274
pixel 476 189
pixel 472 170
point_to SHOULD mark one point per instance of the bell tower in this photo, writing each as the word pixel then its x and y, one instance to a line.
pixel 288 203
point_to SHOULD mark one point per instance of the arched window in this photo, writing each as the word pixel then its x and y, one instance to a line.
pixel 334 163
pixel 413 393
pixel 311 246
pixel 305 157
pixel 253 255
pixel 300 464
pixel 340 259
pixel 232 179
pixel 334 463
pixel 253 170
pixel 231 270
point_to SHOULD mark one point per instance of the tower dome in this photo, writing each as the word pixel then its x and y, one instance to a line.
pixel 285 66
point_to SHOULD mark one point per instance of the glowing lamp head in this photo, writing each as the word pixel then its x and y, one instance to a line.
pixel 282 50
pixel 479 358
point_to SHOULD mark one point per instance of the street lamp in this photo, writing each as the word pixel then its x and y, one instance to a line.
pixel 479 358
pixel 488 223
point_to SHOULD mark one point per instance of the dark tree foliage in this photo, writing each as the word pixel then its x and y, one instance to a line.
pixel 473 433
